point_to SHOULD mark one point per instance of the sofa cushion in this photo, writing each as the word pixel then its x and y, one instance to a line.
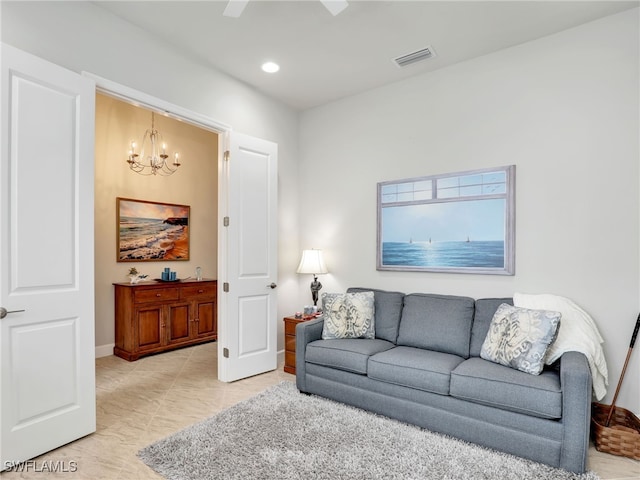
pixel 519 337
pixel 488 383
pixel 437 322
pixel 388 308
pixel 484 311
pixel 348 315
pixel 414 367
pixel 347 354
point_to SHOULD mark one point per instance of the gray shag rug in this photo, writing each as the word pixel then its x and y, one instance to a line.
pixel 283 434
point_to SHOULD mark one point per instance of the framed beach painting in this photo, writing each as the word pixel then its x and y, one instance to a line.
pixel 151 231
pixel 460 222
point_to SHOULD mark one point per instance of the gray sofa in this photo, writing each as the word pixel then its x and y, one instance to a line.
pixel 424 368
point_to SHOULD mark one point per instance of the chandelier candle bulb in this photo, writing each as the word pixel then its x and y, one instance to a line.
pixel 132 153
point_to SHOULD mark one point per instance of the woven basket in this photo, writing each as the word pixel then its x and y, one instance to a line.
pixel 621 437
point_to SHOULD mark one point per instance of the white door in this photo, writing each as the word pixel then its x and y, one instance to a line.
pixel 247 291
pixel 47 359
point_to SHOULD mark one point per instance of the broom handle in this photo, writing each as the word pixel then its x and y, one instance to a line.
pixel 624 369
pixel 635 333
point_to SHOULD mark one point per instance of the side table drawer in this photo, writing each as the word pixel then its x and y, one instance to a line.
pixel 290 362
pixel 290 343
pixel 290 328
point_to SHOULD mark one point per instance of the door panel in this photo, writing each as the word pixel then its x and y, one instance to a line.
pixel 254 325
pixel 47 352
pixel 253 211
pixel 247 323
pixel 33 341
pixel 55 176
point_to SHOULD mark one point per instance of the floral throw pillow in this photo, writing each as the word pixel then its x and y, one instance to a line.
pixel 519 337
pixel 348 315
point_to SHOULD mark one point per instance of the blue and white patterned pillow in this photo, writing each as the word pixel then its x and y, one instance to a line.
pixel 348 315
pixel 519 337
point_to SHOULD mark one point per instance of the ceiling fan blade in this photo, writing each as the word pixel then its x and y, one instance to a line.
pixel 335 6
pixel 234 8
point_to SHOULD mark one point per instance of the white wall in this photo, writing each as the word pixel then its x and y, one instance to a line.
pixel 563 109
pixel 83 37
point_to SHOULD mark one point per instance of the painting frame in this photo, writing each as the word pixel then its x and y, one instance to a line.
pixel 460 222
pixel 150 231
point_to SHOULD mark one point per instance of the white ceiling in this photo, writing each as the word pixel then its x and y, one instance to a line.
pixel 324 58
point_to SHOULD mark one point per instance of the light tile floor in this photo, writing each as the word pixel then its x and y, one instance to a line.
pixel 143 401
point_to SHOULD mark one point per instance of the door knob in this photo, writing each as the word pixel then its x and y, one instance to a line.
pixel 4 311
pixel 272 285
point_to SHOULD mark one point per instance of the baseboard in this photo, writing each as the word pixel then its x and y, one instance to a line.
pixel 104 350
pixel 280 357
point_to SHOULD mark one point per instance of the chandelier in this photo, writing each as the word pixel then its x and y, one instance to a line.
pixel 152 159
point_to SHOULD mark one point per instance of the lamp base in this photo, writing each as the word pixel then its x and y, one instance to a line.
pixel 315 288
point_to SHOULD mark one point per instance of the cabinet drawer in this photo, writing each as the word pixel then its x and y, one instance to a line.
pixel 199 291
pixel 155 295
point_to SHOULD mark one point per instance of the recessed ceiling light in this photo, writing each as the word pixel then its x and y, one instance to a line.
pixel 270 67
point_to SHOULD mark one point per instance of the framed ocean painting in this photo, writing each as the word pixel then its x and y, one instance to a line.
pixel 460 222
pixel 151 231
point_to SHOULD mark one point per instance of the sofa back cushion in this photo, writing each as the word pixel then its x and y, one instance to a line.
pixel 485 309
pixel 388 308
pixel 437 322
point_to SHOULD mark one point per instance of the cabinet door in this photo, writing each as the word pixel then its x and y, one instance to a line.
pixel 205 320
pixel 149 323
pixel 179 323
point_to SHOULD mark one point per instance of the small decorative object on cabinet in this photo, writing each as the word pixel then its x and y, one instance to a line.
pixel 134 276
pixel 153 317
pixel 290 341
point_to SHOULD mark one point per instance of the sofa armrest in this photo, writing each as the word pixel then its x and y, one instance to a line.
pixel 306 332
pixel 575 382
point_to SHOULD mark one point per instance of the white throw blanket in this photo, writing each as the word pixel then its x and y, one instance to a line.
pixel 578 333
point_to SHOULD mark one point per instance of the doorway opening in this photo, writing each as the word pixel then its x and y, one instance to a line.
pixel 195 184
pixel 247 249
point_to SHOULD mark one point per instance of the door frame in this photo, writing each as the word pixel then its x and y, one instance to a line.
pixel 144 100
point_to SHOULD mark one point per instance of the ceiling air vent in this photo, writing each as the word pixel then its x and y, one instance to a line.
pixel 414 57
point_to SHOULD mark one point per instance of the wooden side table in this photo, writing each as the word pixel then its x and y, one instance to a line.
pixel 290 342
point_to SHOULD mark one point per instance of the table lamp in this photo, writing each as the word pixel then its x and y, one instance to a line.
pixel 313 263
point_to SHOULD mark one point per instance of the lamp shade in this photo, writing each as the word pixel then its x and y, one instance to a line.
pixel 312 262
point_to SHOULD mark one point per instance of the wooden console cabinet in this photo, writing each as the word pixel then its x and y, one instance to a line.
pixel 153 317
